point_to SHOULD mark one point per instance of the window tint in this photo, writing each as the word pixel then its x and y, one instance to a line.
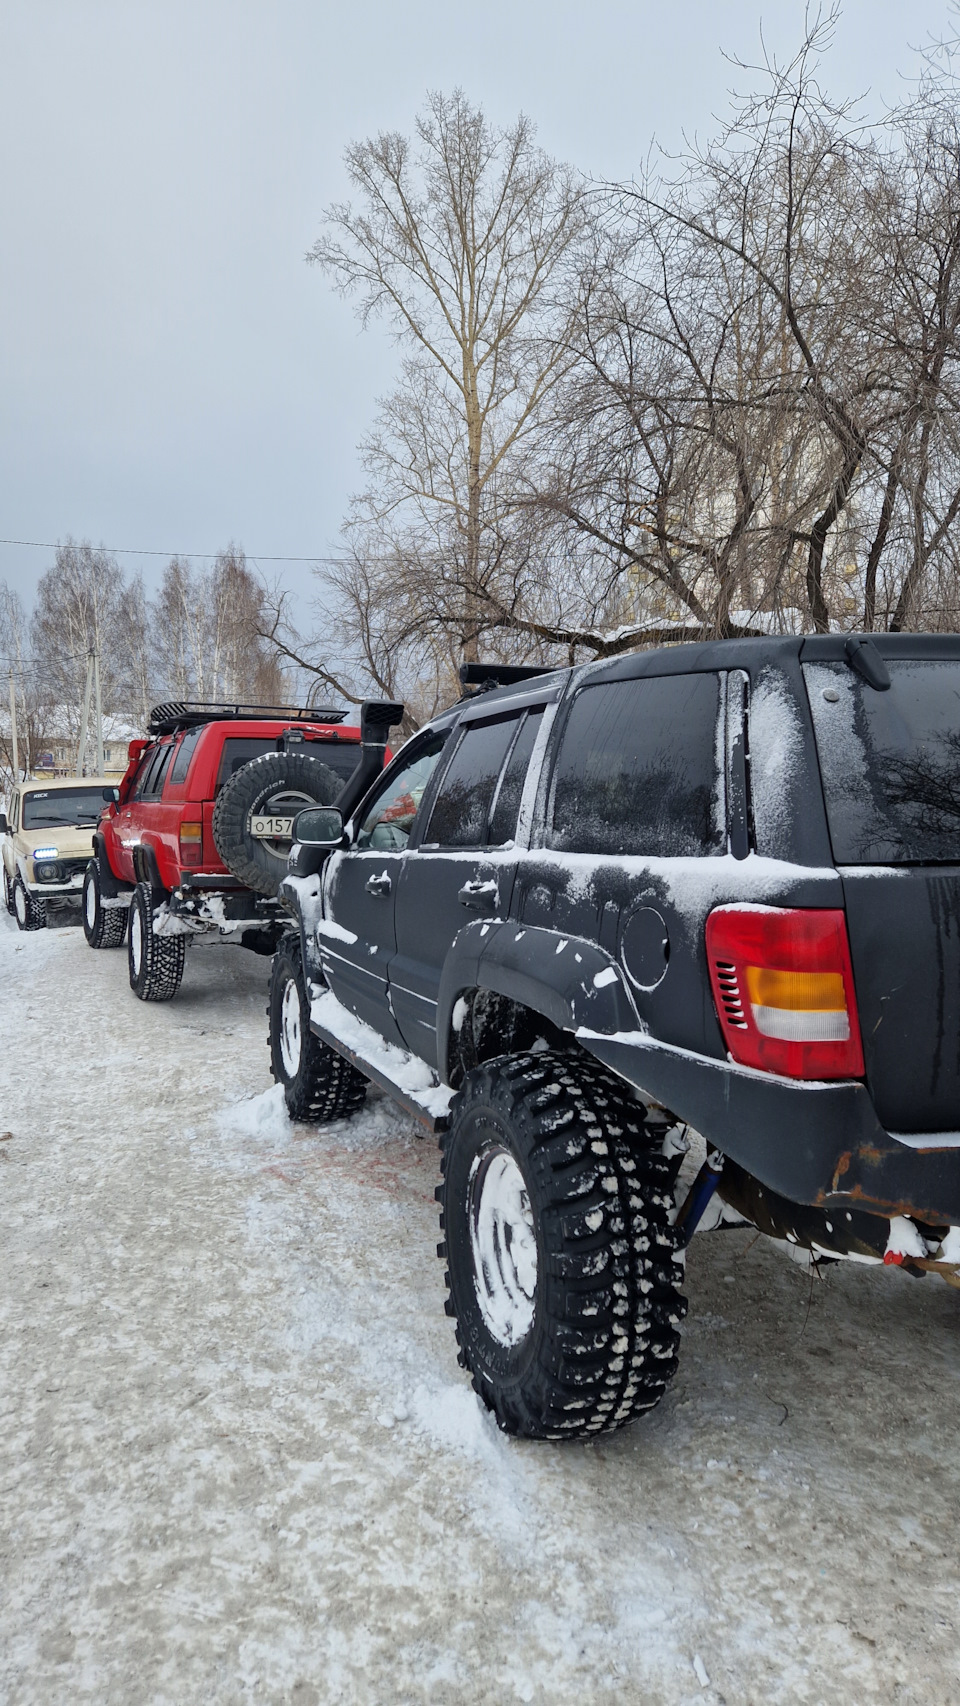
pixel 637 769
pixel 890 761
pixel 238 751
pixel 388 822
pixel 142 780
pixel 459 817
pixel 506 806
pixel 155 781
pixel 185 752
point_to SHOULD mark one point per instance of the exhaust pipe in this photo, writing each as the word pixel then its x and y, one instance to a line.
pixel 377 718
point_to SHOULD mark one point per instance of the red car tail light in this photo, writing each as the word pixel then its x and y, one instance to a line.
pixel 783 984
pixel 191 844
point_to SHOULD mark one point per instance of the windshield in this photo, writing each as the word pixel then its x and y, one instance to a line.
pixel 890 762
pixel 59 808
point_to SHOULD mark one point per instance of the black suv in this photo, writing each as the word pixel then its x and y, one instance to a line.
pixel 713 885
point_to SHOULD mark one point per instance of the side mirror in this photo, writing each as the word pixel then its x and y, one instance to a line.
pixel 319 826
pixel 111 795
pixel 4 826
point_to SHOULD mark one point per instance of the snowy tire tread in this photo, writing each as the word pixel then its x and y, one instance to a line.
pixel 608 1290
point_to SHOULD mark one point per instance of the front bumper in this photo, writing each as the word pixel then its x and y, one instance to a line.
pixel 70 885
pixel 820 1144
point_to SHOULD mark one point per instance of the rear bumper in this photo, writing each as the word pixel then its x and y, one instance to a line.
pixel 820 1144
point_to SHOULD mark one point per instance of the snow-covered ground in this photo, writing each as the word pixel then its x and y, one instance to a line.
pixel 238 1462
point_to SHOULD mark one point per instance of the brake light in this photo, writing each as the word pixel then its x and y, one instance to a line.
pixel 191 844
pixel 783 985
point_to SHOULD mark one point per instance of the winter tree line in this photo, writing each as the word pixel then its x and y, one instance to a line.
pixel 718 400
pixel 199 638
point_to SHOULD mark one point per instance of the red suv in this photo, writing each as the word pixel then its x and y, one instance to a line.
pixel 196 837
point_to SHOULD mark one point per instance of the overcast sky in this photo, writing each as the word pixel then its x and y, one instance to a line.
pixel 173 376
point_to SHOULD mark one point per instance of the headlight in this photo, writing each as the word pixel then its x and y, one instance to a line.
pixel 45 853
pixel 47 873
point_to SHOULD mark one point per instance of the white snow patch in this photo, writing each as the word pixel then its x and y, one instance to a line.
pixel 260 1116
pixel 336 932
pixel 904 1239
pixel 605 977
pixel 410 1074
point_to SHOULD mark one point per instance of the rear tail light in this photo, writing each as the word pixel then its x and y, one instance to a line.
pixel 783 984
pixel 191 843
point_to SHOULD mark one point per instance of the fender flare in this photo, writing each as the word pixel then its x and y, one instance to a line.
pixel 111 886
pixel 563 978
pixel 148 871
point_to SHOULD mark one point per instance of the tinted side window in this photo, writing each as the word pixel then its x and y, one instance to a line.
pixel 141 783
pixel 637 769
pixel 159 771
pixel 506 806
pixel 185 752
pixel 459 817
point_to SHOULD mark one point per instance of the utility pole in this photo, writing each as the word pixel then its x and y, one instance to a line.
pixel 99 711
pixel 85 720
pixel 13 731
pixel 91 688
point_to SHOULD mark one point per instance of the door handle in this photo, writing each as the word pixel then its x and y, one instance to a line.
pixel 481 896
pixel 378 885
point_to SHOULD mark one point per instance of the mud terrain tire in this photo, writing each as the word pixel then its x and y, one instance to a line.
pixel 282 783
pixel 155 962
pixel 30 914
pixel 318 1084
pixel 8 893
pixel 563 1264
pixel 104 927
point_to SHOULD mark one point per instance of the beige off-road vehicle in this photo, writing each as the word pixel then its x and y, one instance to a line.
pixel 46 838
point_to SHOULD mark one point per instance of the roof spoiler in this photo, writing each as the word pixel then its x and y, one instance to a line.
pixel 377 718
pixel 486 676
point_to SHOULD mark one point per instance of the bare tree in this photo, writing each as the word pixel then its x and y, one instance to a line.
pixel 210 634
pixel 460 240
pixel 84 603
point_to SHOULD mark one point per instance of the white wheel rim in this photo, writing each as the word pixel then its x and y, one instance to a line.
pixel 503 1244
pixel 136 941
pixel 290 1043
pixel 20 903
pixel 91 903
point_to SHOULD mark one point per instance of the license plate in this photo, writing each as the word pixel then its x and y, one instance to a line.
pixel 272 828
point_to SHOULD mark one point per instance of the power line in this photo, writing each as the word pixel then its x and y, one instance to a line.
pixel 141 551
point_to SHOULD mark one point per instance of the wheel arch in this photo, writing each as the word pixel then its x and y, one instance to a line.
pixel 519 964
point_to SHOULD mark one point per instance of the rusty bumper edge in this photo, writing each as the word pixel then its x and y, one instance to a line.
pixel 820 1144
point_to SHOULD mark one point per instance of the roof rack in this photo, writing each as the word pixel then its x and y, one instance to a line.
pixel 170 718
pixel 485 676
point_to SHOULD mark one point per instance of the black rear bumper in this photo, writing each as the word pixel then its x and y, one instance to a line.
pixel 820 1144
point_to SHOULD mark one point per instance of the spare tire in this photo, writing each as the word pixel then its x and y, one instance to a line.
pixel 277 785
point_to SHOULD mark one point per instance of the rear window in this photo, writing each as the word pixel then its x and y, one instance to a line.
pixel 890 762
pixel 637 770
pixel 342 756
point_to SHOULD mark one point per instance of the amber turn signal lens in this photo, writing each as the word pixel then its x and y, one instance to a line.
pixel 799 991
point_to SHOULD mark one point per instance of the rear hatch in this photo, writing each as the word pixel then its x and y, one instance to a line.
pixel 890 763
